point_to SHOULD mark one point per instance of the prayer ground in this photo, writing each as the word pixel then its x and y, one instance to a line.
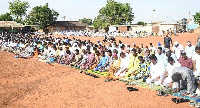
pixel 30 83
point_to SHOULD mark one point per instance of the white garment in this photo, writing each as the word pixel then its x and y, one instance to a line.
pixel 124 64
pixel 129 55
pixel 53 52
pixel 162 58
pixel 189 51
pixel 177 50
pixel 150 80
pixel 169 69
pixel 118 73
pixel 152 49
pixel 196 58
pixel 198 91
pixel 174 56
pixel 155 71
pixel 62 53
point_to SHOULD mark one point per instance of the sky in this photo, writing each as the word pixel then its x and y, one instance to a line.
pixel 171 10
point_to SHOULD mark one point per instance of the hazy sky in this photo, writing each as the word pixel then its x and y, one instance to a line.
pixel 143 9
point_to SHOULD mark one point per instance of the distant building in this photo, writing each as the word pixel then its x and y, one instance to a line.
pixel 67 26
pixel 150 28
pixel 14 27
pixel 10 27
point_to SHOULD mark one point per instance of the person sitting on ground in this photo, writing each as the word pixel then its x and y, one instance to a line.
pixel 97 59
pixel 133 63
pixel 70 57
pixel 177 49
pixel 143 69
pixel 152 48
pixel 189 49
pixel 123 66
pixel 77 59
pixel 139 51
pixel 104 59
pixel 115 52
pixel 36 52
pixel 169 53
pixel 83 62
pixel 147 56
pixel 185 61
pixel 196 62
pixel 128 53
pixel 114 66
pixel 90 60
pixel 160 56
pixel 167 80
pixel 156 71
pixel 183 78
pixel 110 60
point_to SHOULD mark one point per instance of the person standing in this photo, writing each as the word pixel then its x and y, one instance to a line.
pixel 167 41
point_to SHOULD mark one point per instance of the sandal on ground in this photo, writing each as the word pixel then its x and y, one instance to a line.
pixel 132 89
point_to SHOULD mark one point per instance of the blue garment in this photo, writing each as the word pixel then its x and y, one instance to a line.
pixel 102 63
pixel 198 44
pixel 67 40
pixel 41 47
pixel 51 59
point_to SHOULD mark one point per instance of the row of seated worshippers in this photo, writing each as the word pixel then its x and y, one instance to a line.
pixel 152 64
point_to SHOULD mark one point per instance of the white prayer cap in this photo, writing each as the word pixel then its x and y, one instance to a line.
pixel 176 43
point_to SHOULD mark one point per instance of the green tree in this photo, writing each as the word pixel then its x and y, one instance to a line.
pixel 114 13
pixel 42 16
pixel 86 20
pixel 18 9
pixel 197 17
pixel 6 17
pixel 141 23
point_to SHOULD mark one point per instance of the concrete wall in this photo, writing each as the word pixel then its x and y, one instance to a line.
pixel 149 28
pixel 122 29
pixel 166 27
pixel 141 28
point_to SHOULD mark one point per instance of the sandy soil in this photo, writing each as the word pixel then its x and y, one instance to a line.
pixel 182 38
pixel 30 83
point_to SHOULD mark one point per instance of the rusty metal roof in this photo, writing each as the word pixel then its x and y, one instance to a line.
pixel 10 24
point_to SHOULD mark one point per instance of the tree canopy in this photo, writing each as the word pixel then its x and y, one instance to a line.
pixel 141 23
pixel 86 20
pixel 18 9
pixel 6 17
pixel 42 16
pixel 114 13
pixel 197 17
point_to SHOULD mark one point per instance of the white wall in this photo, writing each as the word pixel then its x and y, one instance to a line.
pixel 141 28
pixel 166 27
pixel 112 28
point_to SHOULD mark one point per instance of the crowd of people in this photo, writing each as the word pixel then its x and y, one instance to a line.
pixel 169 65
pixel 135 34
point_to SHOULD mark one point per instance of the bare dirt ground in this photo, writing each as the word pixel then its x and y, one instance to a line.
pixel 182 38
pixel 30 83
